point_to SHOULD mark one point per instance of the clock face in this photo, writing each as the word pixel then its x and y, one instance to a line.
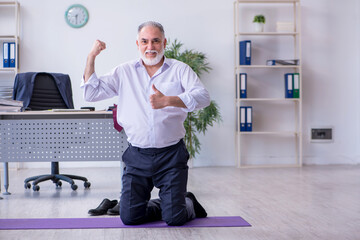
pixel 76 16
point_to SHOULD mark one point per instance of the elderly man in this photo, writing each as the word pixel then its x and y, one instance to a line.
pixel 154 95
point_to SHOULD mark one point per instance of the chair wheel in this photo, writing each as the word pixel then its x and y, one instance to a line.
pixel 58 184
pixel 74 187
pixel 87 184
pixel 36 188
pixel 27 185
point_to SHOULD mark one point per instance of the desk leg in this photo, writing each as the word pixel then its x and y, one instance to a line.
pixel 0 185
pixel 6 178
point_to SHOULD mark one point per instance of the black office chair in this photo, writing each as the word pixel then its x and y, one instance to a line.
pixel 45 95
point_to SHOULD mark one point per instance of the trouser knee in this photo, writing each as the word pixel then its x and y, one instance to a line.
pixel 130 219
pixel 177 219
pixel 127 220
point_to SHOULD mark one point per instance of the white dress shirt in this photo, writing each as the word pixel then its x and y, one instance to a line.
pixel 144 126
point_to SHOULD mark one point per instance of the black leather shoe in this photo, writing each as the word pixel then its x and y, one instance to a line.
pixel 104 206
pixel 115 210
pixel 199 210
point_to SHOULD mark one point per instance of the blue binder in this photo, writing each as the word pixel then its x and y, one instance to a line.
pixel 245 52
pixel 249 119
pixel 236 86
pixel 12 54
pixel 289 85
pixel 6 62
pixel 242 119
pixel 243 85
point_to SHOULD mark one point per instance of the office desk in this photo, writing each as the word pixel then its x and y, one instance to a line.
pixel 45 136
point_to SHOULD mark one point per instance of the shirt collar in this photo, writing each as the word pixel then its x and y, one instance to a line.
pixel 166 64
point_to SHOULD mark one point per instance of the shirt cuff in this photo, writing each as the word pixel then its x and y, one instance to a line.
pixel 93 81
pixel 189 101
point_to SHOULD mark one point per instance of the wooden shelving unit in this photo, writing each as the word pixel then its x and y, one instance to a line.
pixel 296 103
pixel 12 10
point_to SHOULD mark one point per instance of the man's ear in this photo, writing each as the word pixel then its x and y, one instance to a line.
pixel 137 43
pixel 165 43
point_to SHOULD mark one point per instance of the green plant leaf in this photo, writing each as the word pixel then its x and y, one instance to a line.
pixel 198 121
pixel 259 19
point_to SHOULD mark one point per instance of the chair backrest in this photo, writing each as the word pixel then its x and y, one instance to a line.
pixel 116 124
pixel 46 94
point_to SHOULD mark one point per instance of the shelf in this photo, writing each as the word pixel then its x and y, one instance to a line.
pixel 270 166
pixel 9 3
pixel 8 37
pixel 269 99
pixel 268 66
pixel 267 34
pixel 268 1
pixel 8 69
pixel 270 133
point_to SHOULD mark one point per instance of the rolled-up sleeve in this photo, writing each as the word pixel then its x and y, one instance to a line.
pixel 195 95
pixel 96 89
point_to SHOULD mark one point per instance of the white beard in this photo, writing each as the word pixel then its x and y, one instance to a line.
pixel 152 61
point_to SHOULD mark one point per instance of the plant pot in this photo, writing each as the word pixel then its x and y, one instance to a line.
pixel 258 27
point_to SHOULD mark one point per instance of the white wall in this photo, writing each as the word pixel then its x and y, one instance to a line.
pixel 330 46
pixel 331 78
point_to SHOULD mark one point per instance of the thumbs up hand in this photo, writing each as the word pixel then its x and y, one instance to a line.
pixel 158 99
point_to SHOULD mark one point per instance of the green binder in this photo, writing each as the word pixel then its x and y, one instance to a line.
pixel 296 85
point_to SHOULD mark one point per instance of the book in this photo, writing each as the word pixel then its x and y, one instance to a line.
pixel 4 108
pixel 285 27
pixel 9 102
pixel 69 110
pixel 273 62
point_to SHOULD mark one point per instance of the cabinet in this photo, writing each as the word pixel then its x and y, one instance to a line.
pixel 9 33
pixel 276 136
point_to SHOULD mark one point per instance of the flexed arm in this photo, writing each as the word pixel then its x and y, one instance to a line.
pixel 90 62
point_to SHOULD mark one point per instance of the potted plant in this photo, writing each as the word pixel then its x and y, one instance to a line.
pixel 259 21
pixel 198 121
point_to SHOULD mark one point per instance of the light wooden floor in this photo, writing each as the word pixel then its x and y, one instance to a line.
pixel 313 202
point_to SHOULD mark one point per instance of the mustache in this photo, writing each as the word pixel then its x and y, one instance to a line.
pixel 151 51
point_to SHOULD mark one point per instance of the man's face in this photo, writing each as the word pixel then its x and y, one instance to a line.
pixel 151 45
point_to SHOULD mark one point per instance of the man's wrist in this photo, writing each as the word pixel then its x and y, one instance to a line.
pixel 175 101
pixel 91 57
pixel 168 101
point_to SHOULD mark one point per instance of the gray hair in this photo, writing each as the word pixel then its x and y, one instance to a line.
pixel 153 24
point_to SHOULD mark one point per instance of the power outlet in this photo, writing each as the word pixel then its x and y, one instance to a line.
pixel 321 134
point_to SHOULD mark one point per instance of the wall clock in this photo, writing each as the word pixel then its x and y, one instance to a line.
pixel 76 16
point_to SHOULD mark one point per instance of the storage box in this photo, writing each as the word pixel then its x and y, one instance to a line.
pixel 285 27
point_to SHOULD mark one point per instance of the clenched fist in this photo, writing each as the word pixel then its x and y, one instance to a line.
pixel 90 62
pixel 97 48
